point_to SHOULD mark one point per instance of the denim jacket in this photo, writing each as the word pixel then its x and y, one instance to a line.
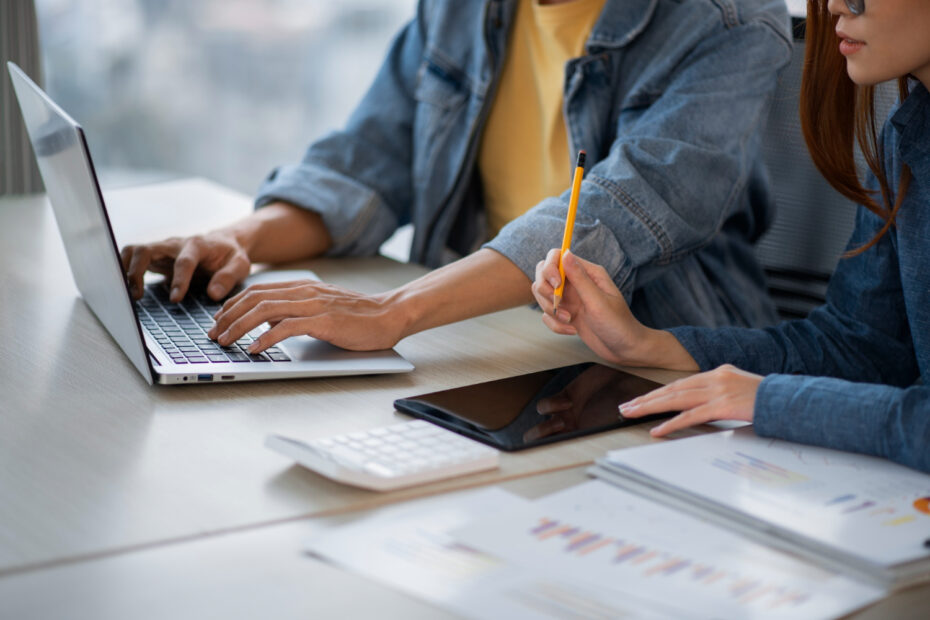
pixel 667 101
pixel 870 342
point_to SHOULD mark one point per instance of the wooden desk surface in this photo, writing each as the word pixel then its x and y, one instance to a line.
pixel 124 500
pixel 93 460
pixel 262 572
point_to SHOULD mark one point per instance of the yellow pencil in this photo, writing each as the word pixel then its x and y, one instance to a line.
pixel 569 226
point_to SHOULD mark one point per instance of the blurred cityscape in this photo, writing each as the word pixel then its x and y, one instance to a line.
pixel 223 89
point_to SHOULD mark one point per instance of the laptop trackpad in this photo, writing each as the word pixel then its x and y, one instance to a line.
pixel 307 349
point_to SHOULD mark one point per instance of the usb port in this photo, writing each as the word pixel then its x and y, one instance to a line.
pixel 227 377
pixel 204 378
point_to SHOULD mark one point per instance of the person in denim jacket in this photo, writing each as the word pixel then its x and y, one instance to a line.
pixel 849 376
pixel 667 98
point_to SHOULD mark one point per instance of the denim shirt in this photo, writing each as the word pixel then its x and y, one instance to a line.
pixel 871 340
pixel 667 101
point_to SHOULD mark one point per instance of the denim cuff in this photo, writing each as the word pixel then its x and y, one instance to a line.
pixel 355 217
pixel 527 239
pixel 771 411
pixel 690 339
pixel 824 411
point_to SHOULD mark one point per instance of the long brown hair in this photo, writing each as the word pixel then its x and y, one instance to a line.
pixel 835 112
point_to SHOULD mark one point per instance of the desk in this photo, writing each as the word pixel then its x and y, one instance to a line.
pixel 161 499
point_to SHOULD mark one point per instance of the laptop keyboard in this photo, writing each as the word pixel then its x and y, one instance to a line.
pixel 181 330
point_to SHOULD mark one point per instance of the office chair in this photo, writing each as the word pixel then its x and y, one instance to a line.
pixel 19 42
pixel 813 222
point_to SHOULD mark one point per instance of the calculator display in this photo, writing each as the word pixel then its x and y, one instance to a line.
pixel 534 409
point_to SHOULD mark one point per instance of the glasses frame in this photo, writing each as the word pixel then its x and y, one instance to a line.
pixel 856 7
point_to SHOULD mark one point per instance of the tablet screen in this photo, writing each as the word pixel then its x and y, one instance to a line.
pixel 534 409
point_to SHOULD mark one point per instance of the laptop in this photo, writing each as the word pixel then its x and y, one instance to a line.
pixel 166 342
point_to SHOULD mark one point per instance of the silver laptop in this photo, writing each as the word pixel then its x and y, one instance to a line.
pixel 166 342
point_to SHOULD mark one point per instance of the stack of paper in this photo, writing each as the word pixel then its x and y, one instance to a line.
pixel 858 514
pixel 591 551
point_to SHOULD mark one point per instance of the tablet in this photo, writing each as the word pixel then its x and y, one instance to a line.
pixel 535 409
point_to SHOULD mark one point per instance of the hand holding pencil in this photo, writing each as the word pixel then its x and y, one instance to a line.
pixel 569 227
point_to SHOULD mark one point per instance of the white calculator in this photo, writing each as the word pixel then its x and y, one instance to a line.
pixel 391 457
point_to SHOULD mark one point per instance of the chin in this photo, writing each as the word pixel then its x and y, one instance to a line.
pixel 862 76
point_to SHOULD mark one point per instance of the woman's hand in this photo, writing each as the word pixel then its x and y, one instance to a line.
pixel 726 393
pixel 339 316
pixel 593 308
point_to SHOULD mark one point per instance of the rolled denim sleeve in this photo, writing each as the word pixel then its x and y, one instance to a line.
pixel 359 179
pixel 880 420
pixel 677 168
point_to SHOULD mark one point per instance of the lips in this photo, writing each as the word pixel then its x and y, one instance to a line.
pixel 848 45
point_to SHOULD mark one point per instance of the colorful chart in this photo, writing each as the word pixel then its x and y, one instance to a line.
pixel 757 470
pixel 923 505
pixel 647 561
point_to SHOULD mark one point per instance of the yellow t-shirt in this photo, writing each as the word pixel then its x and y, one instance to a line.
pixel 524 154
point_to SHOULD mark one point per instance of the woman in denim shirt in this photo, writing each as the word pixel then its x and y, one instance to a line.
pixel 850 375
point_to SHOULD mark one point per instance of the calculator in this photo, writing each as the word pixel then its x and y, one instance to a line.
pixel 390 457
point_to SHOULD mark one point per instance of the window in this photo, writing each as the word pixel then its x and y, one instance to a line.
pixel 224 89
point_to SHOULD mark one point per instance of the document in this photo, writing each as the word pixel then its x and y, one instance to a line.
pixel 853 512
pixel 629 548
pixel 592 551
pixel 409 548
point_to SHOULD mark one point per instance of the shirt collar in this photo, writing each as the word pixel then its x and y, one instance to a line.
pixel 620 22
pixel 912 123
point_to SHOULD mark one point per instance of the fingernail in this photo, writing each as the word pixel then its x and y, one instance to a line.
pixel 216 291
pixel 563 316
pixel 554 282
pixel 176 294
pixel 626 408
pixel 253 348
pixel 655 430
pixel 211 333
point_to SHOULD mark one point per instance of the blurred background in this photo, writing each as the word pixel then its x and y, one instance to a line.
pixel 222 89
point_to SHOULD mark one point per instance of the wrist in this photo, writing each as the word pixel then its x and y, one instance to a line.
pixel 404 309
pixel 657 348
pixel 245 233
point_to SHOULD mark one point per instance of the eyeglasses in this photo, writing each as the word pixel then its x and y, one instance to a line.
pixel 856 7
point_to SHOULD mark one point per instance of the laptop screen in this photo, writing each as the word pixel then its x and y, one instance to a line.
pixel 71 184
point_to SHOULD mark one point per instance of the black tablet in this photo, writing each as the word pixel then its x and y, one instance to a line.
pixel 538 408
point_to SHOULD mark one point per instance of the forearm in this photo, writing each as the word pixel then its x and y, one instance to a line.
pixel 480 283
pixel 280 233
